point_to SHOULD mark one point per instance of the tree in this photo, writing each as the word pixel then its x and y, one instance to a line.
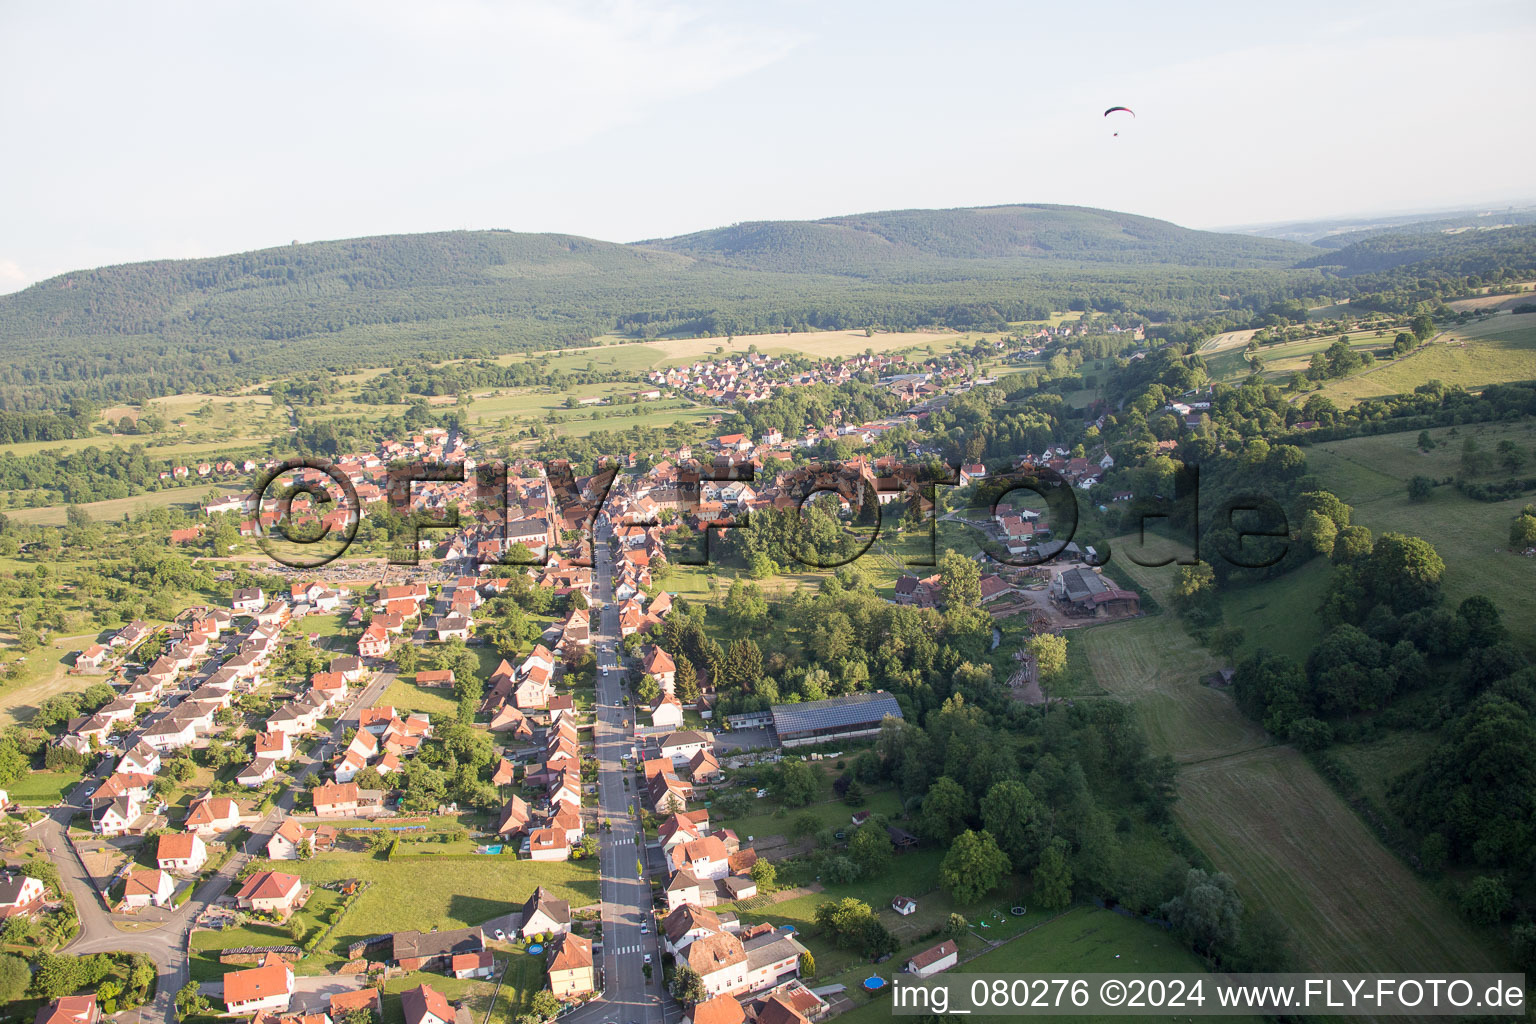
pixel 745 603
pixel 852 923
pixel 955 926
pixel 795 783
pixel 1193 583
pixel 1404 572
pixel 1208 913
pixel 743 664
pixel 960 580
pixel 871 848
pixel 1420 488
pixel 1318 533
pixel 807 965
pixel 765 875
pixel 1510 456
pixel 15 976
pixel 1016 820
pixel 189 1003
pixel 1050 653
pixel 688 986
pixel 1422 326
pixel 1426 443
pixel 1353 543
pixel 1486 899
pixel 1053 877
pixel 1522 532
pixel 407 658
pixel 945 809
pixel 297 929
pixel 973 867
pixel 544 1004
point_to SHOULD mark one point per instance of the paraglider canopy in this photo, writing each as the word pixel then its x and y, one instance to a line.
pixel 1122 110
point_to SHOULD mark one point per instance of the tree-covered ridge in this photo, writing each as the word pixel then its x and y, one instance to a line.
pixel 128 333
pixel 1420 253
pixel 863 243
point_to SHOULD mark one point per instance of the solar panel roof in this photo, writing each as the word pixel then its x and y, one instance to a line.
pixel 835 712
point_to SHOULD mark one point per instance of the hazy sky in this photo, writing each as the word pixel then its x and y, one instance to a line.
pixel 133 131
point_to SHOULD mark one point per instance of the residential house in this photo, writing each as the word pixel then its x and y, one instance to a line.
pixel 543 914
pixel 211 815
pixel 20 895
pixel 934 959
pixel 181 851
pixel 69 1010
pixel 548 844
pixel 425 1005
pixel 148 889
pixel 415 951
pixel 658 664
pixel 571 975
pixel 268 987
pixel 667 712
pixel 272 892
pixel 336 799
pixel 481 964
pixel 720 1009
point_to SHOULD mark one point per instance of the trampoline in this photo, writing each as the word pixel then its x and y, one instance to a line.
pixel 1019 911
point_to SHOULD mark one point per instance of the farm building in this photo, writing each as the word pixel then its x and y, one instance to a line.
pixel 816 721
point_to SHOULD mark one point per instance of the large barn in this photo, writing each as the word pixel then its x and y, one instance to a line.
pixel 817 721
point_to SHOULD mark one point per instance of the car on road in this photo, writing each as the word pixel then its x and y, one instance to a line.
pixel 501 936
pixel 647 958
pixel 645 927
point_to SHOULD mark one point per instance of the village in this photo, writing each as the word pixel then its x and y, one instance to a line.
pixel 250 750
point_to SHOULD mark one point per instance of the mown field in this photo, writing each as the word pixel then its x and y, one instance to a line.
pixel 411 892
pixel 1084 939
pixel 188 499
pixel 1472 537
pixel 1262 813
pixel 1496 351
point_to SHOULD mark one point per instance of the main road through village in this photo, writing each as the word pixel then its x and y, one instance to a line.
pixel 627 997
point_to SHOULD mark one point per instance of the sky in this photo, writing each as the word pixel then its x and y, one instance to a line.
pixel 157 130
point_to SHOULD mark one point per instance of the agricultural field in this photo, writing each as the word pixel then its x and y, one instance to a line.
pixel 194 424
pixel 1262 813
pixel 1499 350
pixel 1082 939
pixel 188 499
pixel 1371 473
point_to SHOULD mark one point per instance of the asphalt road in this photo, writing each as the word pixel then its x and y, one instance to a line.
pixel 626 894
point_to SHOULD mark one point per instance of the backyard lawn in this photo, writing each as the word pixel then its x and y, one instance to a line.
pixel 405 894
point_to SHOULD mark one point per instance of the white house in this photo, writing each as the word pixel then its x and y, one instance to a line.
pixel 148 888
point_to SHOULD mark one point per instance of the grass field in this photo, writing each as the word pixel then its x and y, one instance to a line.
pixel 1496 351
pixel 1084 939
pixel 1261 812
pixel 1371 473
pixel 403 895
pixel 410 697
pixel 189 499
pixel 41 789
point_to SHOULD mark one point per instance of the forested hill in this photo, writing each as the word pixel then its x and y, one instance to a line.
pixel 896 240
pixel 128 332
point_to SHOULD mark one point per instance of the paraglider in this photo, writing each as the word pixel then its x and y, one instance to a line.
pixel 1121 110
